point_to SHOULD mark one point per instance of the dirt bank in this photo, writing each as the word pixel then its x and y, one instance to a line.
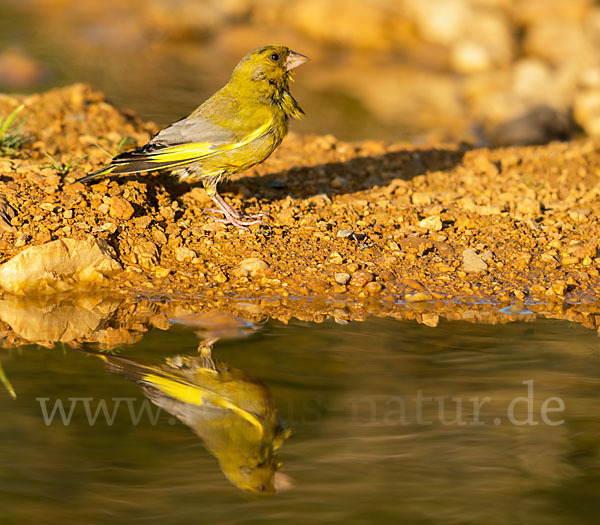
pixel 366 226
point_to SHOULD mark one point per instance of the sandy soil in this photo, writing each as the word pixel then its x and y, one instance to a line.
pixel 355 229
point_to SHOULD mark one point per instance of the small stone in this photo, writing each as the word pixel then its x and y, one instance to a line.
pixel 420 198
pixel 559 287
pixel 159 236
pixel 373 288
pixel 278 184
pixel 146 253
pixel 471 57
pixel 417 297
pixel 344 233
pixel 338 182
pixel 220 277
pixel 569 260
pixel 336 258
pixel 473 262
pixel 110 227
pixel 22 240
pixel 68 214
pixel 528 206
pixel 342 278
pixel 143 222
pixel 360 278
pixel 431 320
pixel 183 254
pixel 352 267
pixel 120 208
pixel 253 265
pixel 548 258
pixel 167 212
pixel 238 273
pixel 161 271
pixel 431 223
pixel 586 111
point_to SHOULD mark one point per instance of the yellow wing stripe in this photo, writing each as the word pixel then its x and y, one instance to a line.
pixel 193 395
pixel 194 150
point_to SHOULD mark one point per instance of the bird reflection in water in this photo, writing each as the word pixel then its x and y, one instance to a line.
pixel 232 412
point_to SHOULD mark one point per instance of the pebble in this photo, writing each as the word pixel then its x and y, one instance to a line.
pixel 559 287
pixel 142 222
pixel 161 272
pixel 183 254
pixel 468 56
pixel 528 206
pixel 418 297
pixel 373 288
pixel 278 184
pixel 570 260
pixel 344 233
pixel 146 253
pixel 338 182
pixel 253 265
pixel 121 208
pixel 420 198
pixel 342 277
pixel 335 258
pixel 473 262
pixel 586 111
pixel 220 277
pixel 360 278
pixel 431 223
pixel 430 319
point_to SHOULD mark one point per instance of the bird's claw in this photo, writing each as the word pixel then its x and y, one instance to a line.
pixel 241 224
pixel 236 215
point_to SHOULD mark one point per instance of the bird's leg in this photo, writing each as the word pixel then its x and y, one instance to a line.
pixel 205 353
pixel 243 216
pixel 232 216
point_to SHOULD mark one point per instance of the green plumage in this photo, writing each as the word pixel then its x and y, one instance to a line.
pixel 235 129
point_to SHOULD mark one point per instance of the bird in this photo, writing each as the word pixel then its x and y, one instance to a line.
pixel 231 411
pixel 236 128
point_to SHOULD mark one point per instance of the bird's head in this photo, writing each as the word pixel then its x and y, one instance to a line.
pixel 268 68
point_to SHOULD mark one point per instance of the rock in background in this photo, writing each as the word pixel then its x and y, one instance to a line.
pixel 501 72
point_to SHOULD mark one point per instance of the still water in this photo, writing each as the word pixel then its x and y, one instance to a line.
pixel 364 422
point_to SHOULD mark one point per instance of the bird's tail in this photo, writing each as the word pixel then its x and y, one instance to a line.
pixel 142 160
pixel 97 174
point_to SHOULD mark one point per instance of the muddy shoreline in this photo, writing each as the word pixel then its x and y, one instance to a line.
pixel 363 228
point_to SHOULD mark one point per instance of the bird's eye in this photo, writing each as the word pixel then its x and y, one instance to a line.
pixel 274 57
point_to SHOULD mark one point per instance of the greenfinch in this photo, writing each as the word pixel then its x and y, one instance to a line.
pixel 228 409
pixel 236 128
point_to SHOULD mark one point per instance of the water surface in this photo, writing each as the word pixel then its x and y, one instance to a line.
pixel 390 420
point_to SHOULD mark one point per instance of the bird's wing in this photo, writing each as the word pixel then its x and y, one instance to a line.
pixel 176 387
pixel 183 142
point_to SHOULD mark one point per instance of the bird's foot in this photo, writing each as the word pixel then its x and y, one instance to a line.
pixel 235 214
pixel 241 224
pixel 240 220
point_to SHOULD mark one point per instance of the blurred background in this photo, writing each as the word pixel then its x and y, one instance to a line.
pixel 485 71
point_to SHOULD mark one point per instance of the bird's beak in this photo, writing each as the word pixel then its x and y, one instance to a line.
pixel 294 60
